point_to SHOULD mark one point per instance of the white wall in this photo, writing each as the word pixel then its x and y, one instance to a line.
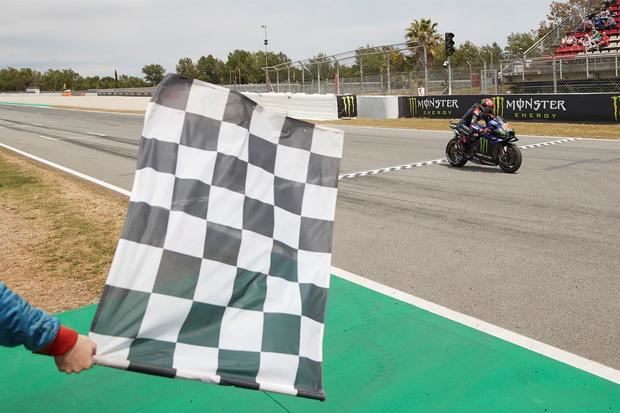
pixel 297 105
pixel 377 107
pixel 133 104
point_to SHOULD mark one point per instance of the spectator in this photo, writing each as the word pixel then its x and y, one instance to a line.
pixel 571 40
pixel 585 26
pixel 22 324
pixel 609 23
pixel 590 42
pixel 604 41
pixel 598 22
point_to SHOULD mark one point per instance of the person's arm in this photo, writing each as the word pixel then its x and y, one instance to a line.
pixel 22 324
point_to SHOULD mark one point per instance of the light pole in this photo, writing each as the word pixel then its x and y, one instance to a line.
pixel 471 76
pixel 264 26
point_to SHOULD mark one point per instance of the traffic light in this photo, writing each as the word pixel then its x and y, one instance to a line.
pixel 449 44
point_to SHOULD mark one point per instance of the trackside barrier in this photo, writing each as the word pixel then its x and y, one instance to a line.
pixel 596 108
pixel 347 106
pixel 378 107
pixel 299 105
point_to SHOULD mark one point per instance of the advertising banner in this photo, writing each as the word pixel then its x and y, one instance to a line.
pixel 535 108
pixel 347 106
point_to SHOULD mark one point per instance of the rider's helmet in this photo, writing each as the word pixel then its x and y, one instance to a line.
pixel 488 106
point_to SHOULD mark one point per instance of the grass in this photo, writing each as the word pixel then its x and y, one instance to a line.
pixel 57 234
pixel 577 130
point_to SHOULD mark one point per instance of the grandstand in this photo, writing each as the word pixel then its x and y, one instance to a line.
pixel 580 55
pixel 583 38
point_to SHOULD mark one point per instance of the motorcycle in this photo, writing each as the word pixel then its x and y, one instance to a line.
pixel 494 147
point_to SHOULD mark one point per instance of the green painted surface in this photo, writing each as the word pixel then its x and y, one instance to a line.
pixel 25 104
pixel 381 355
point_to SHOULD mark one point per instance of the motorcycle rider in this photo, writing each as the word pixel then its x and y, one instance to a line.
pixel 469 128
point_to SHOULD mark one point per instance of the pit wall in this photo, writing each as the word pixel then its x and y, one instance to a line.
pixel 587 108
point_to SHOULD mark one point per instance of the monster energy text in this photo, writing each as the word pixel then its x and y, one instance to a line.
pixel 616 100
pixel 499 105
pixel 436 106
pixel 348 105
pixel 484 145
pixel 531 108
pixel 412 106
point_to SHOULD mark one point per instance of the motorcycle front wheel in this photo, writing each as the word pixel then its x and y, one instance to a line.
pixel 510 158
pixel 455 157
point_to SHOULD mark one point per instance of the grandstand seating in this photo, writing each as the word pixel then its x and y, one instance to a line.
pixel 614 38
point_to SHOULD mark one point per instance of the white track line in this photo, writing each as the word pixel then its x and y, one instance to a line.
pixel 391 169
pixel 47 137
pixel 539 145
pixel 69 171
pixel 96 134
pixel 438 161
pixel 554 353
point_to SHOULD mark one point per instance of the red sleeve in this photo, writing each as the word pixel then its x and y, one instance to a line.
pixel 64 341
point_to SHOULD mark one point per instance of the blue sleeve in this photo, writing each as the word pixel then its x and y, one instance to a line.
pixel 22 324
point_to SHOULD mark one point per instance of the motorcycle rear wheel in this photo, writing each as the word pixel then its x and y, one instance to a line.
pixel 510 159
pixel 455 157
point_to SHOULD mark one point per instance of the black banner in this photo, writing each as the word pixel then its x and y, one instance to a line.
pixel 534 108
pixel 347 106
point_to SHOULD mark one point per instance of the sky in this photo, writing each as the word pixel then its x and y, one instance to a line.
pixel 96 37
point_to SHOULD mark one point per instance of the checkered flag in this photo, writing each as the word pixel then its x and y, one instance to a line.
pixel 222 271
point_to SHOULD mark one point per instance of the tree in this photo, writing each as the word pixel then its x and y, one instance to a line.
pixel 321 65
pixel 60 79
pixel 492 53
pixel 242 63
pixel 131 81
pixel 153 73
pixel 519 43
pixel 211 69
pixel 371 60
pixel 424 32
pixel 466 53
pixel 187 68
pixel 561 10
pixel 273 59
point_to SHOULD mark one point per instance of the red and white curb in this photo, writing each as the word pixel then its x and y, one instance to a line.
pixel 439 161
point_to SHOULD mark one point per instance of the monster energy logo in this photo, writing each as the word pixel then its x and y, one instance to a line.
pixel 412 106
pixel 484 145
pixel 348 105
pixel 616 100
pixel 499 105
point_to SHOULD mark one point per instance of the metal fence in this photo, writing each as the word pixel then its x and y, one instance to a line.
pixel 587 73
pixel 466 80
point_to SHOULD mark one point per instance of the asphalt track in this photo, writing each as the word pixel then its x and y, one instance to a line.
pixel 535 252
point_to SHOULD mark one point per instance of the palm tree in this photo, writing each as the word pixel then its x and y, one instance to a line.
pixel 424 32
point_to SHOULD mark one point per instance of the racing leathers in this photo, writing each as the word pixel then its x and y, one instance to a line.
pixel 469 128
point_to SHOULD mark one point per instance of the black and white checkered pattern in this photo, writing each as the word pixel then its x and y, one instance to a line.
pixel 222 270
